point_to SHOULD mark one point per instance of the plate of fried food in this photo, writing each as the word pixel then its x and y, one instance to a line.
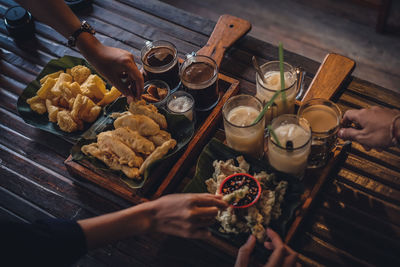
pixel 130 141
pixel 273 203
pixel 66 98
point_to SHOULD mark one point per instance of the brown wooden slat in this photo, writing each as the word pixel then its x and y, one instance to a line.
pixel 374 171
pixel 373 187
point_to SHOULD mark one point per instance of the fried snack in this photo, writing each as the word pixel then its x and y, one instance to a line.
pixel 140 123
pixel 158 153
pixel 61 91
pixel 160 138
pixel 110 96
pixel 85 109
pixel 133 145
pixel 66 122
pixel 110 160
pixel 56 90
pixel 134 140
pixel 107 142
pixel 37 104
pixel 52 110
pixel 80 73
pixel 53 75
pixel 44 91
pixel 94 87
pixel 140 107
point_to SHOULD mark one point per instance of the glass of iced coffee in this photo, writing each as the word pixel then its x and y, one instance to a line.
pixel 160 62
pixel 283 104
pixel 289 145
pixel 199 77
pixel 324 117
pixel 242 134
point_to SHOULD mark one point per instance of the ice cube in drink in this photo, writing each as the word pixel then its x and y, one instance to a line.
pixel 272 84
pixel 294 137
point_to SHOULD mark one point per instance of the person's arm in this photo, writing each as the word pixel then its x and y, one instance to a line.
pixel 282 255
pixel 185 215
pixel 111 62
pixel 373 127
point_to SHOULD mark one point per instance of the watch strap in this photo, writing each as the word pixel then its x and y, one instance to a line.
pixel 85 27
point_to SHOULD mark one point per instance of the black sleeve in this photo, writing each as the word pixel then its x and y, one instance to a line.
pixel 43 243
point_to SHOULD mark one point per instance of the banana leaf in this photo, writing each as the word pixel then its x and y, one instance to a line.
pixel 179 126
pixel 215 150
pixel 42 121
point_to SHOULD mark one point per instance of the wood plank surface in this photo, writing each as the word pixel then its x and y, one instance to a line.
pixel 355 221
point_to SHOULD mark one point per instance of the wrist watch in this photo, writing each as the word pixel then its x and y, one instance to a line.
pixel 85 27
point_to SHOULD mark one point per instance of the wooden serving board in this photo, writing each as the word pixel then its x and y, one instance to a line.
pixel 227 31
pixel 335 70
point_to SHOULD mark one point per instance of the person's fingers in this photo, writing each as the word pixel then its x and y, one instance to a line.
pixel 268 245
pixel 204 222
pixel 205 212
pixel 200 234
pixel 204 200
pixel 275 238
pixel 290 260
pixel 351 116
pixel 277 257
pixel 245 251
pixel 136 76
pixel 349 134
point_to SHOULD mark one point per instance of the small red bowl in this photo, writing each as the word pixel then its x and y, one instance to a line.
pixel 248 176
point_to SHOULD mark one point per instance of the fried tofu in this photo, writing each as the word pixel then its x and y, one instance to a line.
pixel 56 90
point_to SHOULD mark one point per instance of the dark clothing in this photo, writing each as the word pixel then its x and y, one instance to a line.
pixel 43 243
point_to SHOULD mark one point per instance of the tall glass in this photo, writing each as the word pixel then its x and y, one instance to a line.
pixel 160 62
pixel 324 117
pixel 239 113
pixel 291 154
pixel 199 76
pixel 266 90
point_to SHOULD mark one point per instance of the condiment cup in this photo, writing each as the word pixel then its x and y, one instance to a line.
pixel 159 84
pixel 248 177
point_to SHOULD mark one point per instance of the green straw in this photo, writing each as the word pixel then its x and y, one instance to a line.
pixel 282 72
pixel 273 134
pixel 267 105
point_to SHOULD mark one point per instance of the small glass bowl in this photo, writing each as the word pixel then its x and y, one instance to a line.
pixel 248 177
pixel 159 84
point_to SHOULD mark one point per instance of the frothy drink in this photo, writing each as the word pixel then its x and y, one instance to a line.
pixel 324 117
pixel 242 134
pixel 199 77
pixel 321 118
pixel 295 140
pixel 265 90
pixel 248 141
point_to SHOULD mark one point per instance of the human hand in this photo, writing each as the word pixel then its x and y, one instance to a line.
pixel 282 255
pixel 374 126
pixel 186 215
pixel 116 65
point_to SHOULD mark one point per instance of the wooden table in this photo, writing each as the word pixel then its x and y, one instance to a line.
pixel 356 220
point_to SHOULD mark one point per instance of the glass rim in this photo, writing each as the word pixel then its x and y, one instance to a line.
pixel 308 102
pixel 259 81
pixel 299 147
pixel 198 56
pixel 183 93
pixel 150 45
pixel 240 126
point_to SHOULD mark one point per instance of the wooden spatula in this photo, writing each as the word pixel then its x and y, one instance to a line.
pixel 226 32
pixel 330 76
